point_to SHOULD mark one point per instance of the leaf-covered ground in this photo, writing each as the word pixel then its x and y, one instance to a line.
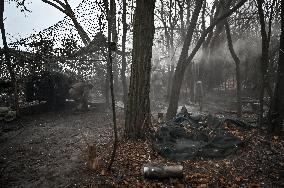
pixel 49 150
pixel 259 163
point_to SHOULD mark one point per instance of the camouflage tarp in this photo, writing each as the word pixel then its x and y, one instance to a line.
pixel 187 137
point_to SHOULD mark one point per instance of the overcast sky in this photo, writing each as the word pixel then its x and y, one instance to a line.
pixel 19 25
pixel 22 24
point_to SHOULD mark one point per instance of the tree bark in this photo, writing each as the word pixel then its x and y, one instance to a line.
pixel 264 58
pixel 109 67
pixel 137 118
pixel 8 59
pixel 238 71
pixel 181 65
pixel 115 40
pixel 277 111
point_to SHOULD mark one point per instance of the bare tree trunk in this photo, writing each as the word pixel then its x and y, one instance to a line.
pixel 115 40
pixel 137 118
pixel 238 72
pixel 8 59
pixel 264 59
pixel 277 110
pixel 109 66
pixel 123 64
pixel 181 65
pixel 115 142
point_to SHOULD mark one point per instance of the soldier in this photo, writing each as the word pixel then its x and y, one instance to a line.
pixel 79 92
pixel 199 94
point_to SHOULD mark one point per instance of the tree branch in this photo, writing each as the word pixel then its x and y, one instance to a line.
pixel 23 5
pixel 55 6
pixel 210 28
pixel 61 4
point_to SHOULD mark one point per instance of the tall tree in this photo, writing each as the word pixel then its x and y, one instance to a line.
pixel 265 40
pixel 111 36
pixel 181 65
pixel 277 111
pixel 110 9
pixel 137 118
pixel 238 71
pixel 66 9
pixel 264 56
pixel 8 58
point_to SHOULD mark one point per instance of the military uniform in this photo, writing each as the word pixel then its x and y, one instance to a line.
pixel 199 94
pixel 79 92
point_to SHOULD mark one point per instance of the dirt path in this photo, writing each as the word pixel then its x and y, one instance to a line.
pixel 49 150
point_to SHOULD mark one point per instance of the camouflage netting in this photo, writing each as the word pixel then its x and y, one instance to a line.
pixel 51 87
pixel 88 13
pixel 188 137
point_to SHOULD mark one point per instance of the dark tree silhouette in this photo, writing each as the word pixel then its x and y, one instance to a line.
pixel 265 41
pixel 238 71
pixel 277 110
pixel 181 65
pixel 111 36
pixel 138 107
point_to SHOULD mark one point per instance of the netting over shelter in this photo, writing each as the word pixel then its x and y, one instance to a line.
pixel 89 14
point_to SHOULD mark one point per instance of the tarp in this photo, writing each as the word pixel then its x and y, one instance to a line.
pixel 189 136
